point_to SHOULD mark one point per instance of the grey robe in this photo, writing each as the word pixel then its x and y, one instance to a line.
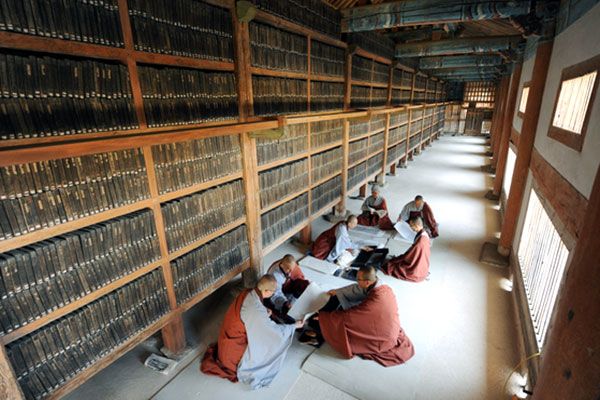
pixel 408 208
pixel 371 202
pixel 351 295
pixel 268 344
pixel 279 298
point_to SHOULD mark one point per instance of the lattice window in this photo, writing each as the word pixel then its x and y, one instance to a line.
pixel 542 258
pixel 480 92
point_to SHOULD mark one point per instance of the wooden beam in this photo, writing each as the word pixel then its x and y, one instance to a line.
pixel 427 12
pixel 484 44
pixel 526 140
pixel 460 61
pixel 9 388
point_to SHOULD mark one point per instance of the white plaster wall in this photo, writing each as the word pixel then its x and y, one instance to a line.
pixel 526 73
pixel 577 43
pixel 521 219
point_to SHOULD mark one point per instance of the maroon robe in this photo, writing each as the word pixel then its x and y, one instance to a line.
pixel 223 357
pixel 370 330
pixel 324 243
pixel 368 219
pixel 427 216
pixel 413 265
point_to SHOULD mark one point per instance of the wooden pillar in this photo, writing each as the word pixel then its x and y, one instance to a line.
pixel 507 123
pixel 362 190
pixel 526 140
pixel 243 76
pixel 346 128
pixel 305 235
pixel 390 83
pixel 408 126
pixel 495 113
pixel 570 363
pixel 386 139
pixel 497 127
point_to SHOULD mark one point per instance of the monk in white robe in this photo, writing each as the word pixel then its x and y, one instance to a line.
pixel 251 347
pixel 330 244
pixel 291 283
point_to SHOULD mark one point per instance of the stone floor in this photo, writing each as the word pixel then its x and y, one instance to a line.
pixel 461 320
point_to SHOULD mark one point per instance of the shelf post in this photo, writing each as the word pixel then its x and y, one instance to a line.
pixel 9 388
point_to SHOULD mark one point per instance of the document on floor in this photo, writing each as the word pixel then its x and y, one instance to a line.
pixel 404 232
pixel 312 300
pixel 369 231
pixel 315 264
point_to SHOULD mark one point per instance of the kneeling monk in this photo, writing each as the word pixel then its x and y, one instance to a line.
pixel 332 243
pixel 413 265
pixel 291 283
pixel 251 347
pixel 372 207
pixel 371 328
pixel 419 208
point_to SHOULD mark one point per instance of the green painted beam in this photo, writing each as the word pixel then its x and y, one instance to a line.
pixel 460 61
pixel 486 44
pixel 428 12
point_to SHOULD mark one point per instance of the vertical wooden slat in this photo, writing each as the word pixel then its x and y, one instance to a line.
pixel 173 333
pixel 308 73
pixel 345 151
pixel 138 101
pixel 422 127
pixel 408 125
pixel 386 141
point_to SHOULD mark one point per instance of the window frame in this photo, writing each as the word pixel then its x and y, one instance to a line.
pixel 520 113
pixel 566 137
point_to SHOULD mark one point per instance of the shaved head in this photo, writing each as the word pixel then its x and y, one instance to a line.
pixel 366 276
pixel 288 263
pixel 416 221
pixel 351 221
pixel 418 197
pixel 267 282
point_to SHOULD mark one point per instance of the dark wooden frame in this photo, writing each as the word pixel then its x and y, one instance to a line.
pixel 568 138
pixel 520 113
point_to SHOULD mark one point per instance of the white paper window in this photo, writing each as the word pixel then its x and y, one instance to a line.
pixel 573 100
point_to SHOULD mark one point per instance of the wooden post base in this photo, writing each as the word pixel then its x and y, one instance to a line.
pixel 362 191
pixel 305 235
pixel 173 335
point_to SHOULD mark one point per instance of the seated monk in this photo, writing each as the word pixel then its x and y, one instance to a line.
pixel 413 265
pixel 368 324
pixel 419 208
pixel 251 347
pixel 334 241
pixel 291 283
pixel 370 207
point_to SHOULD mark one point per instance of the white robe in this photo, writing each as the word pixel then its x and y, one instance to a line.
pixel 268 344
pixel 342 242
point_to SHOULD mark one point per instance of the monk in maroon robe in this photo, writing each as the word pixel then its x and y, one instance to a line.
pixel 369 217
pixel 413 265
pixel 371 329
pixel 327 241
pixel 419 208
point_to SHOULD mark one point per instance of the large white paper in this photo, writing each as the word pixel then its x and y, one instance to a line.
pixel 315 264
pixel 368 231
pixel 404 231
pixel 312 300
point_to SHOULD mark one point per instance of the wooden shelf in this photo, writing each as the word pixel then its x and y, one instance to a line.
pixel 47 233
pixel 205 239
pixel 355 139
pixel 314 215
pixel 396 87
pixel 198 187
pixel 120 350
pixel 295 229
pixel 354 164
pixel 283 201
pixel 369 84
pixel 323 180
pixel 61 312
pixel 326 78
pixel 21 41
pixel 329 146
pixel 399 125
pixel 278 73
pixel 364 53
pixel 396 143
pixel 214 286
pixel 282 161
pixel 377 131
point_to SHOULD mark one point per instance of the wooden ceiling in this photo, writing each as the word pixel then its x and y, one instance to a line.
pixel 342 4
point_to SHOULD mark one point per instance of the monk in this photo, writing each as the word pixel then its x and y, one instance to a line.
pixel 251 347
pixel 413 265
pixel 372 207
pixel 368 324
pixel 419 208
pixel 334 241
pixel 291 283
